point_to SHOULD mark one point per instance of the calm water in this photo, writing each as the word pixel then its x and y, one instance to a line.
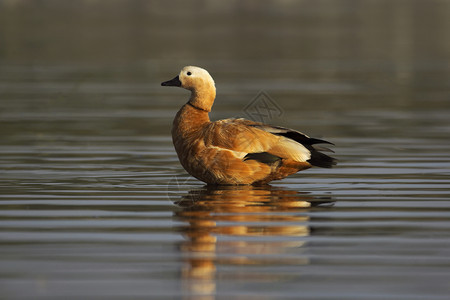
pixel 94 203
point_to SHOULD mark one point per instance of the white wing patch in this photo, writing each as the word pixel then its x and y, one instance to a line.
pixel 293 150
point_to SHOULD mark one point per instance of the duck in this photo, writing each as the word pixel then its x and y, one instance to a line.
pixel 236 151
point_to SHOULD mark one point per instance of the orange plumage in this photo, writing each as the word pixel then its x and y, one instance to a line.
pixel 235 151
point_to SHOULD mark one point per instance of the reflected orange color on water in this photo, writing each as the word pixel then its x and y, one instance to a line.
pixel 228 226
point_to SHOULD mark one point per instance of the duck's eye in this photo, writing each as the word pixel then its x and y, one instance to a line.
pixel 189 73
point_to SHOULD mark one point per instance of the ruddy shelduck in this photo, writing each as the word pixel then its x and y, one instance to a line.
pixel 235 151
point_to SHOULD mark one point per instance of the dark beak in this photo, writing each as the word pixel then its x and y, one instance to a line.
pixel 174 82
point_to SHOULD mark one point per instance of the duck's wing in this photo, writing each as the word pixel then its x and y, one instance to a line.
pixel 253 140
pixel 317 158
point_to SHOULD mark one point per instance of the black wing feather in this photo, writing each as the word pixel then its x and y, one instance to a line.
pixel 299 137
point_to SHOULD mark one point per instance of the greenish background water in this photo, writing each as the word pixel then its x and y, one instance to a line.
pixel 94 203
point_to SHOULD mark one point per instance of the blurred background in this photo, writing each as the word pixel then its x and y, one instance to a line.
pixel 332 57
pixel 93 198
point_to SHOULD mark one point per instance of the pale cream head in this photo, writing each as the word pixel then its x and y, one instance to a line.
pixel 199 82
pixel 195 78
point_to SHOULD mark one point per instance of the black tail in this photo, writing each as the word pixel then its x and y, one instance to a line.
pixel 319 159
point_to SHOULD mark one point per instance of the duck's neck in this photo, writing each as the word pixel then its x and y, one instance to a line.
pixel 193 116
pixel 189 120
pixel 202 97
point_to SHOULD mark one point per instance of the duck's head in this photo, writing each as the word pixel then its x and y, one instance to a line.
pixel 199 82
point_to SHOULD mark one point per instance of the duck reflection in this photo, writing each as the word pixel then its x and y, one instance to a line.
pixel 241 225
